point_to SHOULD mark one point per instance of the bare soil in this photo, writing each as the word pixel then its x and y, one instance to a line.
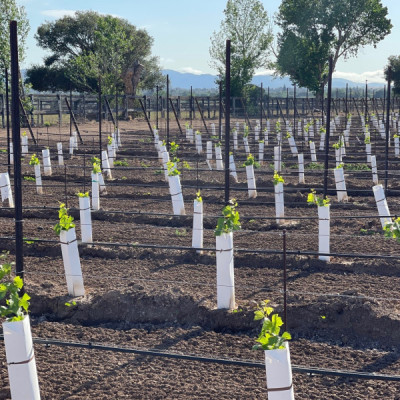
pixel 147 289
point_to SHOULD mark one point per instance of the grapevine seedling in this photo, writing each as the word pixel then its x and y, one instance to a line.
pixel 269 337
pixel 229 221
pixel 16 307
pixel 278 179
pixel 34 160
pixel 312 198
pixel 65 221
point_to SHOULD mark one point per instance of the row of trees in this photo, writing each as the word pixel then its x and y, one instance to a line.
pixel 311 32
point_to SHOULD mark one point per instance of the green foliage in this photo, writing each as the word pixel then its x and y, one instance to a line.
pixel 357 167
pixel 65 221
pixel 229 221
pixel 314 166
pixel 246 131
pixel 314 30
pixel 16 307
pixel 198 196
pixel 182 232
pixel 72 304
pixel 277 178
pixel 172 169
pixel 173 148
pixel 34 160
pixel 81 194
pixel 312 198
pixel 198 132
pixel 246 24
pixel 392 229
pixel 341 165
pixel 121 163
pixel 96 168
pixel 29 178
pixel 269 337
pixel 249 161
pixel 24 133
pixel 10 11
pixel 394 63
pixel 367 140
pixel 86 46
pixel 110 140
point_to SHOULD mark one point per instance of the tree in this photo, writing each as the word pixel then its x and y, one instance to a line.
pixel 10 11
pixel 88 48
pixel 312 30
pixel 394 63
pixel 246 24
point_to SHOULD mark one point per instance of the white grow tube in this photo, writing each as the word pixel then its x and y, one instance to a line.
pixel 5 189
pixel 165 156
pixel 225 271
pixel 86 219
pixel 60 154
pixel 95 192
pixel 218 158
pixel 277 158
pixel 24 141
pixel 110 153
pixel 197 234
pixel 105 164
pixel 235 140
pixel 199 144
pixel 340 185
pixel 292 144
pixel 72 263
pixel 175 191
pixel 278 369
pixel 246 145
pixel 381 203
pixel 322 141
pixel 279 203
pixel 300 158
pixel 71 145
pixel 21 362
pixel 38 177
pixel 209 153
pixel 213 129
pixel 232 168
pixel 374 170
pixel 251 182
pixel 324 232
pixel 313 154
pixel 46 162
pixel 261 147
pixel 11 153
pixel 102 185
pixel 396 147
pixel 368 151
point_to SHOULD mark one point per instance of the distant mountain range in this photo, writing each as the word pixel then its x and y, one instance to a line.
pixel 207 81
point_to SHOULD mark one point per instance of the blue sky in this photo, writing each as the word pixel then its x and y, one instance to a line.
pixel 182 28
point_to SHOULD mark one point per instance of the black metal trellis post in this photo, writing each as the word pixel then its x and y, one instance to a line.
pixel 366 99
pixel 191 107
pixel 167 112
pixel 328 126
pixel 8 124
pixel 261 107
pixel 220 112
pixel 100 144
pixel 227 115
pixel 15 120
pixel 72 119
pixel 157 106
pixel 346 107
pixel 285 321
pixel 389 77
pixel 294 110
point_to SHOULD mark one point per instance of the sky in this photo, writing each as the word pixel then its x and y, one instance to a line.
pixel 182 29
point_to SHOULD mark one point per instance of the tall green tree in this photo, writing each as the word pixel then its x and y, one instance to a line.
pixel 394 64
pixel 312 30
pixel 246 24
pixel 89 48
pixel 10 11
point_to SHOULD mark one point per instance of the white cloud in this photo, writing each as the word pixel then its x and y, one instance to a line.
pixel 164 60
pixel 370 76
pixel 190 70
pixel 264 72
pixel 58 13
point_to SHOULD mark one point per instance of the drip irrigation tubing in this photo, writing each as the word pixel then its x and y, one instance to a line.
pixel 237 250
pixel 204 359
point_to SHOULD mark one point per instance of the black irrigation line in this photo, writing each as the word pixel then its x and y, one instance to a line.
pixel 256 217
pixel 212 249
pixel 224 361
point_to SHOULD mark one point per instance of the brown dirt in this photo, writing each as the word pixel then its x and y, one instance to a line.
pixel 138 296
